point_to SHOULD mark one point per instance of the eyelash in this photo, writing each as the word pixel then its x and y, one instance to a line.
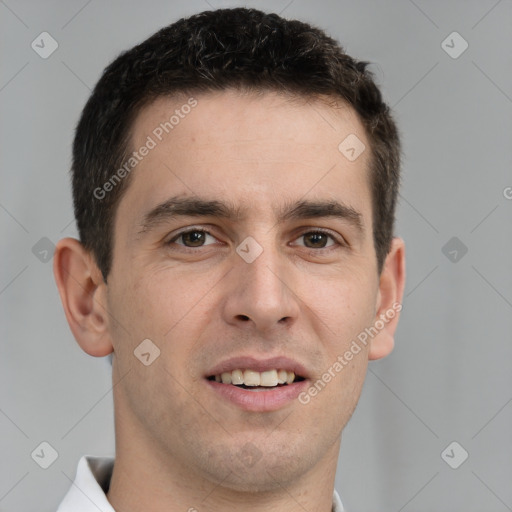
pixel 337 243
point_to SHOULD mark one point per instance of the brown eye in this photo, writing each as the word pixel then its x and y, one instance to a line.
pixel 192 238
pixel 317 240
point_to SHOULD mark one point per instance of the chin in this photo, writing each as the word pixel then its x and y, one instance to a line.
pixel 260 479
pixel 252 468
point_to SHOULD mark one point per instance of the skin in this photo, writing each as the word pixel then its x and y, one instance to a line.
pixel 178 444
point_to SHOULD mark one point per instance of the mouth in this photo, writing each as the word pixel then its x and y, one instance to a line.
pixel 257 385
pixel 254 380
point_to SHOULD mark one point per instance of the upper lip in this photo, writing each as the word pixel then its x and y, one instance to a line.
pixel 259 365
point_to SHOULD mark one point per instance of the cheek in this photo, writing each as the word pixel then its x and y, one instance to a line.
pixel 162 311
pixel 154 305
pixel 344 303
pixel 173 312
pixel 344 308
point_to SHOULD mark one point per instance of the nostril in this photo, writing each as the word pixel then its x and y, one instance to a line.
pixel 243 317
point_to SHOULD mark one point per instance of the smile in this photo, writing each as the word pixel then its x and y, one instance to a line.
pixel 254 380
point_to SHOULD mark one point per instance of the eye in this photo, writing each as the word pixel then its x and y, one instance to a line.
pixel 318 240
pixel 192 238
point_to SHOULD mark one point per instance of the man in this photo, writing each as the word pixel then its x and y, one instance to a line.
pixel 234 180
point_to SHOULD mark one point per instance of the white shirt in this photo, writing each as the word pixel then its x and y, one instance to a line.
pixel 88 492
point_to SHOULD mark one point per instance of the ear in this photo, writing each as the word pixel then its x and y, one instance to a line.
pixel 389 300
pixel 83 295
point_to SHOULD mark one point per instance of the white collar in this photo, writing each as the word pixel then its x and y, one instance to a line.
pixel 88 491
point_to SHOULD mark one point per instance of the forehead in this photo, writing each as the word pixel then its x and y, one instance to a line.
pixel 247 117
pixel 257 150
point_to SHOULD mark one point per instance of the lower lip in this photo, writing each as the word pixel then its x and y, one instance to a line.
pixel 259 401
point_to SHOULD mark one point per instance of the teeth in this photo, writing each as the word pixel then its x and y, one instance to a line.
pixel 237 377
pixel 252 378
pixel 270 378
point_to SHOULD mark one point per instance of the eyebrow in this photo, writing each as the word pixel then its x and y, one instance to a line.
pixel 180 206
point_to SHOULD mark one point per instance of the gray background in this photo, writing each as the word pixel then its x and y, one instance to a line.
pixel 449 378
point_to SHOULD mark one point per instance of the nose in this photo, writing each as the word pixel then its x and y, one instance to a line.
pixel 261 294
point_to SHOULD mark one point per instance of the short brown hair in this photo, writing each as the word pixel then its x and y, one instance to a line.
pixel 217 50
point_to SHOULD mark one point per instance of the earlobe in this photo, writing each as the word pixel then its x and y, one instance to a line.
pixel 389 302
pixel 83 295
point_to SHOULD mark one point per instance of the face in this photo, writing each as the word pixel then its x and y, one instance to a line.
pixel 229 259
